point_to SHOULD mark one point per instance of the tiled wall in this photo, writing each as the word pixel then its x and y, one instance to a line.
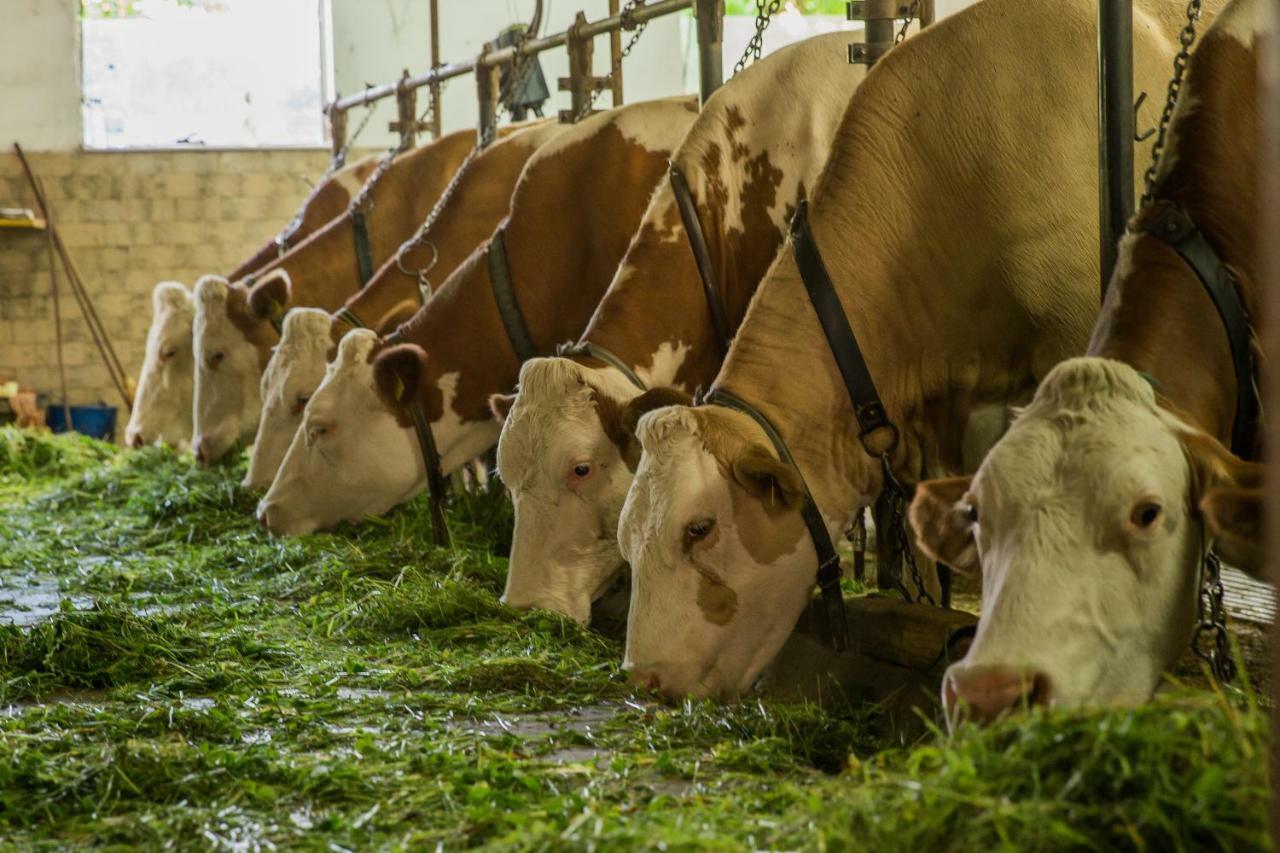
pixel 129 221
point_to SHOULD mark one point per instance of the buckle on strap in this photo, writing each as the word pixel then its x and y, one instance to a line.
pixel 590 350
pixel 1172 226
pixel 867 406
pixel 505 297
pixel 437 485
pixel 827 578
pixel 701 257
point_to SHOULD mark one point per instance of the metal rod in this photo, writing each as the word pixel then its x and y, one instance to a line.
pixel 615 56
pixel 1115 128
pixel 580 83
pixel 337 133
pixel 710 14
pixel 487 88
pixel 1269 175
pixel 503 56
pixel 434 85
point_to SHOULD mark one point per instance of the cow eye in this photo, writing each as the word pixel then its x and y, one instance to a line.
pixel 168 354
pixel 580 471
pixel 217 357
pixel 971 513
pixel 1145 515
pixel 315 433
pixel 698 530
pixel 300 403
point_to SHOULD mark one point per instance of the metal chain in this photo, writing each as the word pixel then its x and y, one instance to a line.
pixel 625 15
pixel 1186 39
pixel 911 16
pixel 419 237
pixel 362 201
pixel 340 159
pixel 898 529
pixel 1210 641
pixel 765 10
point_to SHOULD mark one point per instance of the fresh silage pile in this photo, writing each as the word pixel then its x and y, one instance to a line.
pixel 205 684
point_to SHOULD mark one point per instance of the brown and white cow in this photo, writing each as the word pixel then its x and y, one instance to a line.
pixel 478 201
pixel 571 219
pixel 233 338
pixel 957 215
pixel 162 404
pixel 1089 518
pixel 563 453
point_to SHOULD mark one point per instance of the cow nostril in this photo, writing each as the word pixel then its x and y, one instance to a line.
pixel 1041 691
pixel 986 693
pixel 135 441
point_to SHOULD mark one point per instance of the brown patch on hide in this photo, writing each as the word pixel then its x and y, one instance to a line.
pixel 717 601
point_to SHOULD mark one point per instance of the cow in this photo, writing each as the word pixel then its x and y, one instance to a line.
pixel 476 202
pixel 161 408
pixel 1090 519
pixel 957 217
pixel 572 216
pixel 566 452
pixel 233 338
pixel 162 402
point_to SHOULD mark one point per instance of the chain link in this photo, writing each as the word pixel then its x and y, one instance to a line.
pixel 1211 642
pixel 765 10
pixel 1186 39
pixel 898 529
pixel 911 16
pixel 625 15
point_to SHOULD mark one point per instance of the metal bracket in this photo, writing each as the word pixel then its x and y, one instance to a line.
pixel 407 124
pixel 867 53
pixel 876 10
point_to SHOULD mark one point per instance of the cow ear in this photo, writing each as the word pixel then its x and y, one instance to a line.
pixel 1234 518
pixel 943 522
pixel 619 420
pixel 269 296
pixel 396 317
pixel 397 373
pixel 776 483
pixel 500 405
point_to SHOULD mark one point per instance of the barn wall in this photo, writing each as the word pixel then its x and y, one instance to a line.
pixel 131 220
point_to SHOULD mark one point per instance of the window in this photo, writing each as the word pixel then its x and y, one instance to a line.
pixel 197 73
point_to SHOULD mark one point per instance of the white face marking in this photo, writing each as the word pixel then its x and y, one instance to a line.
pixel 669 635
pixel 1075 586
pixel 351 458
pixel 227 397
pixel 567 481
pixel 162 405
pixel 294 372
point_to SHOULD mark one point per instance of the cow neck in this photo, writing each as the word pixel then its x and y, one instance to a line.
pixel 479 203
pixel 1157 317
pixel 931 363
pixel 658 298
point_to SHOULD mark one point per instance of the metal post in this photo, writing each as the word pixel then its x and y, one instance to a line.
pixel 406 123
pixel 337 132
pixel 1269 174
pixel 435 63
pixel 580 82
pixel 615 57
pixel 710 15
pixel 879 26
pixel 487 92
pixel 1115 127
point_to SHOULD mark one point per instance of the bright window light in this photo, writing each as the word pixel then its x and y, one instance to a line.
pixel 203 73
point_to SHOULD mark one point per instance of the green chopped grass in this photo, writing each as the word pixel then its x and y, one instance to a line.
pixel 204 685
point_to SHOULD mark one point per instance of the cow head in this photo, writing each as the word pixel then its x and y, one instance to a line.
pixel 351 457
pixel 228 365
pixel 721 563
pixel 566 454
pixel 1088 521
pixel 162 405
pixel 294 372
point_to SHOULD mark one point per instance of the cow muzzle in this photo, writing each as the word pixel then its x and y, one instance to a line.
pixel 984 693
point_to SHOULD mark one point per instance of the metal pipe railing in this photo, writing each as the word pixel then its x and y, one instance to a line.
pixel 494 58
pixel 1115 128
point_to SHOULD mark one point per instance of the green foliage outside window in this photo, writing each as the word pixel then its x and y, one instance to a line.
pixel 807 7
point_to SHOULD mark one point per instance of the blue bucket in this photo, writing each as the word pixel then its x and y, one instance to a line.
pixel 93 421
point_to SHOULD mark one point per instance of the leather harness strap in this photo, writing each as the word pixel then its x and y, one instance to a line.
pixel 504 295
pixel 701 258
pixel 437 483
pixel 590 350
pixel 349 317
pixel 828 575
pixel 867 407
pixel 364 254
pixel 1172 226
